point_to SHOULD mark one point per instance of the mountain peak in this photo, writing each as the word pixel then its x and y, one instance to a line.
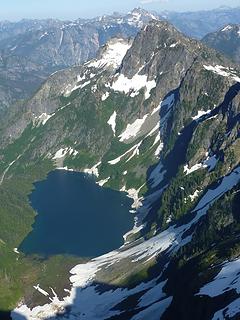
pixel 141 15
pixel 157 38
pixel 162 25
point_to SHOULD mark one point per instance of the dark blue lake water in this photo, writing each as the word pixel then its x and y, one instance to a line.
pixel 76 216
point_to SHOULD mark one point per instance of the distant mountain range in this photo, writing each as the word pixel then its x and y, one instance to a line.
pixel 30 50
pixel 199 23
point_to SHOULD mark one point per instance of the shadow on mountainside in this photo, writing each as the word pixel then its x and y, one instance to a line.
pixel 177 156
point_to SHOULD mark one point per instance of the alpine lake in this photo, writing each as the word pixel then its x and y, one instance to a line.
pixel 76 216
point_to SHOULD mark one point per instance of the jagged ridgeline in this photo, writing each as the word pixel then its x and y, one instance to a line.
pixel 158 118
pixel 226 40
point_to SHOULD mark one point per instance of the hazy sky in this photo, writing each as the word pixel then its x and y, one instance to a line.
pixel 72 9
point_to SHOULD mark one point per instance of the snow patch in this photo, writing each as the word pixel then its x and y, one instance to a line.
pixel 13 48
pixel 227 28
pixel 65 168
pixel 132 129
pixel 43 35
pixel 200 114
pixel 113 56
pixel 112 122
pixel 227 279
pixel 102 182
pixel 222 71
pixel 8 167
pixel 105 96
pixel 169 219
pixel 160 146
pixel 133 85
pixel 135 151
pixel 155 310
pixel 37 287
pixel 156 109
pixel 61 38
pixel 118 159
pixel 43 118
pixel 211 162
pixel 194 195
pixel 228 312
pixel 158 150
pixel 135 228
pixel 62 152
pixel 174 45
pixel 94 88
pixel 193 168
pixel 76 87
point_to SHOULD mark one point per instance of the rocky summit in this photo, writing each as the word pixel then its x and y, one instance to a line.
pixel 156 117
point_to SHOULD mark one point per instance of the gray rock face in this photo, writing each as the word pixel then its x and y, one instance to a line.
pixel 226 40
pixel 158 49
